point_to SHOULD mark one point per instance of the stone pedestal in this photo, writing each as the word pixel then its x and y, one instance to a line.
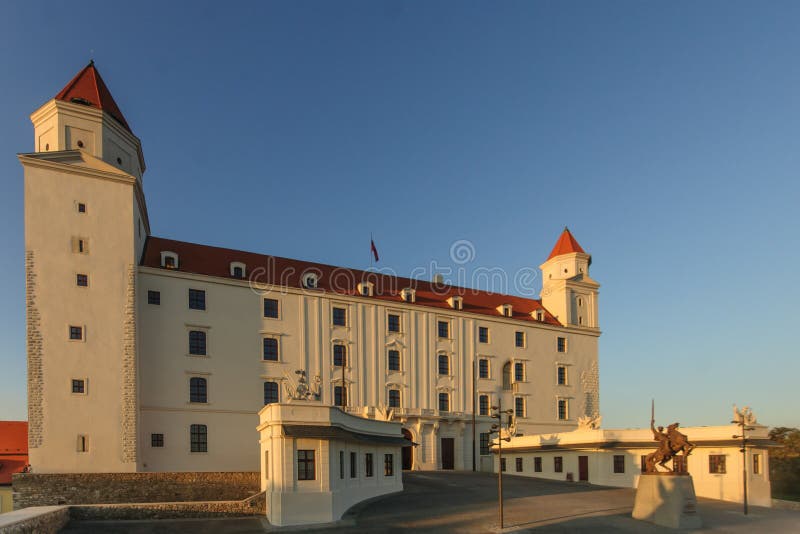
pixel 667 500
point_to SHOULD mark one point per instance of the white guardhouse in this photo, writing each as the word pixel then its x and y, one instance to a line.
pixel 318 461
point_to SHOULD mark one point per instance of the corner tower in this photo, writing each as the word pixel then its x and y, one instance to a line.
pixel 568 291
pixel 85 227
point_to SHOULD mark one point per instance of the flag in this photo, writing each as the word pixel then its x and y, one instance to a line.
pixel 373 249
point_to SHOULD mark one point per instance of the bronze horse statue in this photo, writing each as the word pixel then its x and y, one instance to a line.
pixel 670 444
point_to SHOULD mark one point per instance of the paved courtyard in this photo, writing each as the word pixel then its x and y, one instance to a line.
pixel 467 502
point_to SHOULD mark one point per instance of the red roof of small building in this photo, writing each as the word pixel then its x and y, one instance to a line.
pixel 566 244
pixel 88 88
pixel 274 270
pixel 13 449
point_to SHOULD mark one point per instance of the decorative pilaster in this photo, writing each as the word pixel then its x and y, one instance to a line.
pixel 35 352
pixel 129 415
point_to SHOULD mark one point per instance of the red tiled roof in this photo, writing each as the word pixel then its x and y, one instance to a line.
pixel 88 88
pixel 13 449
pixel 566 244
pixel 274 270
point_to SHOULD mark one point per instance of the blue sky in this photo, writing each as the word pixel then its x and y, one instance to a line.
pixel 664 134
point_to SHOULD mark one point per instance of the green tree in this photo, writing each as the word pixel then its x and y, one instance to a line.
pixel 784 463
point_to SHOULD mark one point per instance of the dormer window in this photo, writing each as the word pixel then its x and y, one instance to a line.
pixel 238 269
pixel 409 294
pixel 505 310
pixel 538 315
pixel 457 303
pixel 365 289
pixel 169 260
pixel 310 280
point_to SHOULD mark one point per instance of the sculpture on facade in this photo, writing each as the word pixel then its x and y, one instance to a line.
pixel 670 444
pixel 588 422
pixel 744 415
pixel 301 390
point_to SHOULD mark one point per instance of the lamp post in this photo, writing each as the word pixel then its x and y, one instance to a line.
pixel 743 425
pixel 498 429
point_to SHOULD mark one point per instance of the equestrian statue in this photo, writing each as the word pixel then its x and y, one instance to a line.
pixel 670 443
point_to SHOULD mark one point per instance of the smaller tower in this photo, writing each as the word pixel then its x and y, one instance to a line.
pixel 568 291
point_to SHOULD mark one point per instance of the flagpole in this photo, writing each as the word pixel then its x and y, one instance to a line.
pixel 371 241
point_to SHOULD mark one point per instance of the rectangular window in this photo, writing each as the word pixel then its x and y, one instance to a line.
pixel 270 349
pixel 756 464
pixel 271 394
pixel 76 333
pixel 483 405
pixel 483 334
pixel 562 344
pixel 368 465
pixel 305 465
pixel 197 299
pixel 444 329
pixel 563 409
pixel 519 372
pixel 169 262
pixel 197 343
pixel 394 398
pixel 444 402
pixel 339 355
pixel 394 360
pixel 562 375
pixel 353 465
pixel 388 465
pixel 519 406
pixel 198 435
pixel 485 443
pixel 483 368
pixel 339 396
pixel 198 390
pixel 156 440
pixel 154 297
pixel 503 465
pixel 537 464
pixel 341 465
pixel 78 386
pixel 394 323
pixel 519 339
pixel 444 364
pixel 619 463
pixel 271 308
pixel 558 464
pixel 81 207
pixel 83 443
pixel 716 464
pixel 82 248
pixel 518 467
pixel 82 280
pixel 339 317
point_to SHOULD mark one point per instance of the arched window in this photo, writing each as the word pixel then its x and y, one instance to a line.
pixel 507 376
pixel 197 342
pixel 198 389
pixel 270 392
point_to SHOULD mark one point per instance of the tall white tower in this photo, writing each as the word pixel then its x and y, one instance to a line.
pixel 85 227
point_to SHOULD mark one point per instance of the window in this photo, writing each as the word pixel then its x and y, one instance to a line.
pixel 83 443
pixel 483 405
pixel 271 392
pixel 310 280
pixel 198 389
pixel 82 246
pixel 156 440
pixel 518 467
pixel 562 344
pixel 339 317
pixel 444 329
pixel 154 297
pixel 353 465
pixel 78 386
pixel 619 463
pixel 271 308
pixel 197 299
pixel 444 364
pixel 457 303
pixel 507 310
pixel 198 435
pixel 238 269
pixel 444 402
pixel 503 465
pixel 394 323
pixel 197 343
pixel 388 465
pixel 537 464
pixel 339 396
pixel 394 360
pixel 170 263
pixel 756 464
pixel 270 349
pixel 365 291
pixel 238 272
pixel 339 355
pixel 82 280
pixel 563 409
pixel 341 465
pixel 483 334
pixel 76 333
pixel 558 464
pixel 519 339
pixel 305 465
pixel 368 465
pixel 484 440
pixel 519 372
pixel 519 406
pixel 562 375
pixel 409 294
pixel 81 207
pixel 394 398
pixel 716 464
pixel 483 368
pixel 507 376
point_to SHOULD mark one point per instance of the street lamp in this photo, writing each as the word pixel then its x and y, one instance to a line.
pixel 498 429
pixel 741 423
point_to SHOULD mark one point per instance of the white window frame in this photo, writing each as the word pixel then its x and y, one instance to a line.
pixel 368 286
pixel 234 265
pixel 85 386
pixel 168 254
pixel 408 294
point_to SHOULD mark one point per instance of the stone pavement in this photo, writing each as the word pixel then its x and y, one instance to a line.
pixel 466 502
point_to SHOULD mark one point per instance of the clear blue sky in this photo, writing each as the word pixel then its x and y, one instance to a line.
pixel 666 135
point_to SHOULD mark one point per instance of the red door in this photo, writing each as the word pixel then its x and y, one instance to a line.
pixel 583 468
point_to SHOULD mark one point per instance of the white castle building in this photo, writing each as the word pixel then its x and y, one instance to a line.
pixel 148 354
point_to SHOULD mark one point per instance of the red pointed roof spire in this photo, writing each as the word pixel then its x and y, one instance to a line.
pixel 566 244
pixel 87 88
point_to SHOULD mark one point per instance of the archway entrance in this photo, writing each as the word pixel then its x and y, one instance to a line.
pixel 408 452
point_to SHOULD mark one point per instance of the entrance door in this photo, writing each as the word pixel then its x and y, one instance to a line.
pixel 408 452
pixel 583 468
pixel 448 453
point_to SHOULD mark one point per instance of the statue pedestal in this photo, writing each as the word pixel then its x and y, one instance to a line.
pixel 667 500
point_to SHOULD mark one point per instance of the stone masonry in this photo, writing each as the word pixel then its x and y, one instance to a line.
pixel 35 350
pixel 129 415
